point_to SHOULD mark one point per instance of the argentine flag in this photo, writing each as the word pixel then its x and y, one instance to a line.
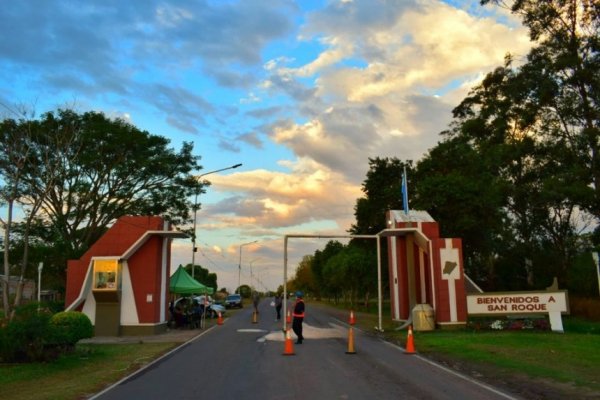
pixel 404 192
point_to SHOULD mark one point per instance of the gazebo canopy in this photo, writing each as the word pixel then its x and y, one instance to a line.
pixel 182 283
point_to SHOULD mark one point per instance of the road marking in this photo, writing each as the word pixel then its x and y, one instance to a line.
pixel 252 330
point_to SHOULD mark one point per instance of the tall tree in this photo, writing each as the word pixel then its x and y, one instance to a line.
pixel 563 73
pixel 382 193
pixel 105 169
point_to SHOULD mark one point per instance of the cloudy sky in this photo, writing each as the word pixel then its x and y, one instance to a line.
pixel 301 92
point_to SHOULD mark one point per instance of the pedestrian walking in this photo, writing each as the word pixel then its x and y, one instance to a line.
pixel 298 315
pixel 278 304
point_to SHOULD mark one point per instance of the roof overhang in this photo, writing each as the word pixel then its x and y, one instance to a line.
pixel 146 236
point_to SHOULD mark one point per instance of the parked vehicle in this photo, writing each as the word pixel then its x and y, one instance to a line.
pixel 233 300
pixel 212 309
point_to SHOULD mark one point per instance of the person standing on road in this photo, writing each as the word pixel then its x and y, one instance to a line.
pixel 298 315
pixel 255 300
pixel 278 304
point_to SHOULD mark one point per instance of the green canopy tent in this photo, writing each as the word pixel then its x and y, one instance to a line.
pixel 182 283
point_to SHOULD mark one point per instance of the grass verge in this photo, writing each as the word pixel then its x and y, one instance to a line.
pixel 95 366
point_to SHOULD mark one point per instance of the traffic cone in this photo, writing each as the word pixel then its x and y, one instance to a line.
pixel 254 317
pixel 289 345
pixel 351 342
pixel 288 319
pixel 410 345
pixel 220 319
pixel 352 320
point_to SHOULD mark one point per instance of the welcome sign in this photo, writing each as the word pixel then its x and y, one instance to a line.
pixel 553 303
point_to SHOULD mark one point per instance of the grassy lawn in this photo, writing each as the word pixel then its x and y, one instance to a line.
pixel 94 365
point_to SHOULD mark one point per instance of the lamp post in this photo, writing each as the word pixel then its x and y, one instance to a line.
pixel 240 264
pixel 196 211
pixel 40 267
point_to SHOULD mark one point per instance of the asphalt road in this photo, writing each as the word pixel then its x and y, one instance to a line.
pixel 245 360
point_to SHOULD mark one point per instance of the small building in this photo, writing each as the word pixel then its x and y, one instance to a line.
pixel 29 287
pixel 425 269
pixel 121 283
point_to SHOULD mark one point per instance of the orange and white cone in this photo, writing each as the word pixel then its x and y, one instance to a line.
pixel 410 344
pixel 351 342
pixel 289 345
pixel 352 321
pixel 288 319
pixel 220 319
pixel 254 317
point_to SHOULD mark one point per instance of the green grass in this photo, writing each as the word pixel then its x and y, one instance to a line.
pixel 95 365
pixel 567 358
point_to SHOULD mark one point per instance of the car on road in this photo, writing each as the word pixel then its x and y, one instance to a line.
pixel 233 300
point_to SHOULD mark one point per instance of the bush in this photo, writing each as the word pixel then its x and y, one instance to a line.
pixel 70 327
pixel 25 337
pixel 34 334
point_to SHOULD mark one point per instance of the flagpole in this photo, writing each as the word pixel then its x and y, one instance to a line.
pixel 404 192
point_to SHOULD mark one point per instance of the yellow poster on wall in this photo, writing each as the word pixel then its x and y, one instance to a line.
pixel 106 274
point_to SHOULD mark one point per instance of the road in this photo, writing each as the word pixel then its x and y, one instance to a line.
pixel 245 360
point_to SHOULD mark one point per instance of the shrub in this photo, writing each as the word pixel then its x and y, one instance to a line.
pixel 70 327
pixel 24 338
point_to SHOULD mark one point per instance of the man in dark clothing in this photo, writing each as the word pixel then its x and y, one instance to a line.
pixel 298 315
pixel 278 304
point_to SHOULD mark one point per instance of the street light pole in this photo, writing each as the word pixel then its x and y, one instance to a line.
pixel 240 264
pixel 196 211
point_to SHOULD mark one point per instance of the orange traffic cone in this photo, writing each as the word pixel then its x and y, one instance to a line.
pixel 289 346
pixel 352 321
pixel 410 345
pixel 288 319
pixel 220 319
pixel 254 317
pixel 350 342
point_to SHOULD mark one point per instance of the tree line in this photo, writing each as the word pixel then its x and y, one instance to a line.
pixel 516 175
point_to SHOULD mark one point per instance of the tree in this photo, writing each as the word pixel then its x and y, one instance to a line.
pixel 304 277
pixel 382 193
pixel 102 170
pixel 203 275
pixel 319 261
pixel 564 72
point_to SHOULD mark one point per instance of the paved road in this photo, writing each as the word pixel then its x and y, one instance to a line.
pixel 244 360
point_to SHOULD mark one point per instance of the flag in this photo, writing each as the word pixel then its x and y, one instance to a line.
pixel 404 192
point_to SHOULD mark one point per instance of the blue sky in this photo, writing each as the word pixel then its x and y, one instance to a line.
pixel 301 93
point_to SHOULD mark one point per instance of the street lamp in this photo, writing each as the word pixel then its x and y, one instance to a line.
pixel 40 267
pixel 196 210
pixel 240 264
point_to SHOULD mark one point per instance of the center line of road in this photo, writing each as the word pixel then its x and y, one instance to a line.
pixel 252 330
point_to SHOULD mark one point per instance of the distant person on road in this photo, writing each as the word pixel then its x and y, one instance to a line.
pixel 298 315
pixel 278 304
pixel 255 300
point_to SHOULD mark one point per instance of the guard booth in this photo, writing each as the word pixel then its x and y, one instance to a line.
pixel 121 283
pixel 425 271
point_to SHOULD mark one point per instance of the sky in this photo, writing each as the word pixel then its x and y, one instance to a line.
pixel 301 93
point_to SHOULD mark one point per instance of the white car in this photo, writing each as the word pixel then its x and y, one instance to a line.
pixel 213 308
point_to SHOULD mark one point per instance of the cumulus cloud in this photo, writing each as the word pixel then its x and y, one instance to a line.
pixel 309 192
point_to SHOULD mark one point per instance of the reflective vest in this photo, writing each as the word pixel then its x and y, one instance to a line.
pixel 295 314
